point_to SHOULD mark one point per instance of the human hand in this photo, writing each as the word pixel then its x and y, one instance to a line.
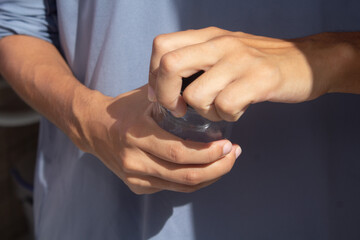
pixel 240 69
pixel 121 132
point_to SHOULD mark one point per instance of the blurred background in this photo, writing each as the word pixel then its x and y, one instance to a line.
pixel 18 141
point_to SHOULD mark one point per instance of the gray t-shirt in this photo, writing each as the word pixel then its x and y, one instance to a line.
pixel 298 176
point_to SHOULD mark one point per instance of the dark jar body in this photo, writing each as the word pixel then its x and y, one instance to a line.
pixel 192 126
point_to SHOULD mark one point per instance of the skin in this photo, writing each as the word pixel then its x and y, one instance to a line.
pixel 240 69
pixel 126 139
pixel 243 69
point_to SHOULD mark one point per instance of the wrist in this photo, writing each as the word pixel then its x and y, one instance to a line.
pixel 346 66
pixel 334 61
pixel 87 113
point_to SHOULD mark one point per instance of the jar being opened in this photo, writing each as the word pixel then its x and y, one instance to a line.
pixel 192 126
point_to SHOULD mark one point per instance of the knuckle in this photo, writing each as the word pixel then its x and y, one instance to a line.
pixel 169 62
pixel 224 104
pixel 228 40
pixel 192 178
pixel 195 98
pixel 161 43
pixel 133 181
pixel 190 97
pixel 212 28
pixel 129 166
pixel 126 165
pixel 240 33
pixel 226 108
pixel 136 185
pixel 215 30
pixel 175 153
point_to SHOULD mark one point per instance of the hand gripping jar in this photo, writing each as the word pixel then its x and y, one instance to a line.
pixel 192 126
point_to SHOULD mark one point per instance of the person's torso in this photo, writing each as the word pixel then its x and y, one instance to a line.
pixel 296 178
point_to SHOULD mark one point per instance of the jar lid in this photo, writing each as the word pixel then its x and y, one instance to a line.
pixel 188 80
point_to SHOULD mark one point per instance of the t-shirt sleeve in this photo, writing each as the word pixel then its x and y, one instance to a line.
pixel 37 18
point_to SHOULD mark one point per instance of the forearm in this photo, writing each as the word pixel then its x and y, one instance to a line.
pixel 243 69
pixel 39 74
pixel 334 59
pixel 349 82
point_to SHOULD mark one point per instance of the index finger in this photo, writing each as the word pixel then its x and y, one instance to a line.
pixel 165 43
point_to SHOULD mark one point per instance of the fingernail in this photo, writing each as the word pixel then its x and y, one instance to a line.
pixel 180 110
pixel 238 152
pixel 175 114
pixel 227 148
pixel 151 94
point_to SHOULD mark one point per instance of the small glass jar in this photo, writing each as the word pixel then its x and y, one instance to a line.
pixel 192 126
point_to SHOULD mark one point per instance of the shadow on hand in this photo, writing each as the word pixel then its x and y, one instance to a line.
pixel 159 207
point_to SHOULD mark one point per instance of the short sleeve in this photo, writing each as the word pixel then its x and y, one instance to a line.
pixel 37 18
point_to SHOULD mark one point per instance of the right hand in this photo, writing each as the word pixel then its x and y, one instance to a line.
pixel 122 134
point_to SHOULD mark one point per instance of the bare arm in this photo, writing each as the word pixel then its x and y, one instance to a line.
pixel 242 69
pixel 38 73
pixel 124 138
pixel 341 60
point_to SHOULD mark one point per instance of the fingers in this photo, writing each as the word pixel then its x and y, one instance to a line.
pixel 164 145
pixel 225 56
pixel 166 43
pixel 156 160
pixel 221 66
pixel 162 175
pixel 148 185
pixel 229 106
pixel 201 93
pixel 221 93
pixel 194 174
pixel 257 84
pixel 181 63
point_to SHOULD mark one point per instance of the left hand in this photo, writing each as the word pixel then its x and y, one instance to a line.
pixel 240 69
